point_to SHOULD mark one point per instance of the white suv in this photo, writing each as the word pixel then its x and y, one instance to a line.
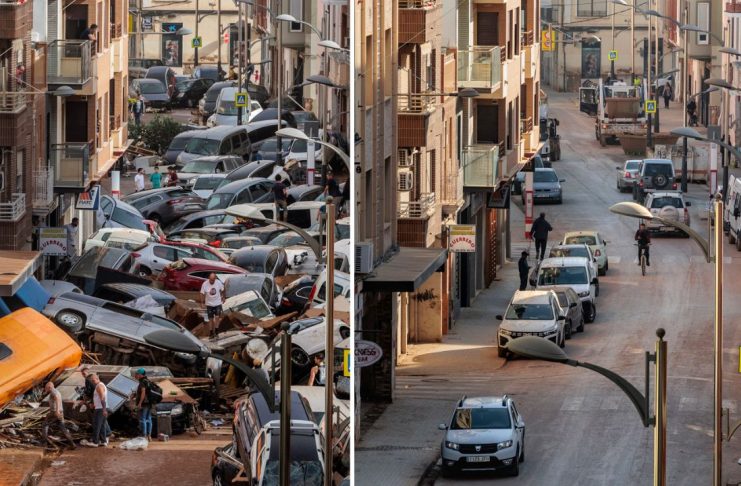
pixel 531 313
pixel 484 434
pixel 668 206
pixel 574 272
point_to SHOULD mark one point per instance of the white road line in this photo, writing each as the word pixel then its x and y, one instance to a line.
pixel 687 404
pixel 572 404
pixel 610 403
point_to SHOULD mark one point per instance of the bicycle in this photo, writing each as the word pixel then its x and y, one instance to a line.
pixel 643 257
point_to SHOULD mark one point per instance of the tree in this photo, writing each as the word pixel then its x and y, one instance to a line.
pixel 157 134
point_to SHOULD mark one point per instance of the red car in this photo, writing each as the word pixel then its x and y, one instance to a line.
pixel 190 273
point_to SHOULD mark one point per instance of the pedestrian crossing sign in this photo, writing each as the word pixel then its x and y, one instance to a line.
pixel 612 56
pixel 650 106
pixel 196 42
pixel 240 100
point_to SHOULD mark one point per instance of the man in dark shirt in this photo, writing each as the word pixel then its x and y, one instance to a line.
pixel 91 34
pixel 331 188
pixel 524 268
pixel 143 406
pixel 280 194
pixel 540 231
pixel 643 237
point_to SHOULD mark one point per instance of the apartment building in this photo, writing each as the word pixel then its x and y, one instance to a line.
pixel 732 26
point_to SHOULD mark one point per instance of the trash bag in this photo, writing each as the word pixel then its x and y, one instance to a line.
pixel 137 444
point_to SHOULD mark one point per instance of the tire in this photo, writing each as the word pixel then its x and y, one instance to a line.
pixel 562 342
pixel 522 453
pixel 591 314
pixel 601 271
pixel 580 327
pixel 596 290
pixel 607 266
pixel 299 357
pixel 446 471
pixel 731 237
pixel 145 272
pixel 70 320
pixel 567 330
pixel 501 352
pixel 560 200
pixel 515 467
pixel 603 141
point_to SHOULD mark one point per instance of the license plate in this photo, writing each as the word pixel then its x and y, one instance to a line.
pixel 477 459
pixel 667 228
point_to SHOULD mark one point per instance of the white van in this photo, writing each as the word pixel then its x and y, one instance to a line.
pixel 226 112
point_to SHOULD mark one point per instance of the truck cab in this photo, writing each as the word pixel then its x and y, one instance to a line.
pixel 617 107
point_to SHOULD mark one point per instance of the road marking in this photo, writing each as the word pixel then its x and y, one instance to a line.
pixel 614 259
pixel 572 404
pixel 610 403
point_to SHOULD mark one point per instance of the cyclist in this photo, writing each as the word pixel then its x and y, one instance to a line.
pixel 643 237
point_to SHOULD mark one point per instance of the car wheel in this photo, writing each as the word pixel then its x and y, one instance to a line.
pixel 145 272
pixel 70 320
pixel 592 315
pixel 522 452
pixel 515 468
pixel 299 357
pixel 502 352
pixel 580 327
pixel 446 471
pixel 601 271
pixel 567 330
pixel 607 266
pixel 560 200
pixel 562 342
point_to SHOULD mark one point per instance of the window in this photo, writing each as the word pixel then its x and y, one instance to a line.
pixel 226 147
pixel 591 8
pixel 243 197
pixel 164 252
pixel 272 260
pixel 19 171
pixel 296 8
pixel 703 21
pixel 258 190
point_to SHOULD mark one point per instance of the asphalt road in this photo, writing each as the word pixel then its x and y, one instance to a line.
pixel 580 429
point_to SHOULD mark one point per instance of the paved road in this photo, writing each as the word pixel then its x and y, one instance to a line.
pixel 581 430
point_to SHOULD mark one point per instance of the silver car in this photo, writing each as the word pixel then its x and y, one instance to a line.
pixel 627 175
pixel 154 257
pixel 484 434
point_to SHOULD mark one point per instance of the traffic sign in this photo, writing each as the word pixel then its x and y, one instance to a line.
pixel 346 362
pixel 612 56
pixel 650 106
pixel 196 42
pixel 546 40
pixel 240 100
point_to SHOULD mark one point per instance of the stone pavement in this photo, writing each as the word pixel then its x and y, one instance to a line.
pixel 17 467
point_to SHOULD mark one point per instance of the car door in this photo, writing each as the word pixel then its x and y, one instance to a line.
pixel 259 191
pixel 518 422
pixel 162 255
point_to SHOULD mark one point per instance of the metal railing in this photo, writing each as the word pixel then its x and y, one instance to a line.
pixel 415 103
pixel 453 188
pixel 480 67
pixel 417 3
pixel 43 188
pixel 480 166
pixel 12 102
pixel 14 209
pixel 116 31
pixel 526 125
pixel 527 38
pixel 69 62
pixel 71 162
pixel 421 208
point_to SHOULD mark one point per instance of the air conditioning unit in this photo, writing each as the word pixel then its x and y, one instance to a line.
pixel 364 257
pixel 406 181
pixel 405 158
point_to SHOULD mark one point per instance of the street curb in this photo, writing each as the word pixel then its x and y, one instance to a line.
pixel 431 474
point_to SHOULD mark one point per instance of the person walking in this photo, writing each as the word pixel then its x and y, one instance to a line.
pixel 73 232
pixel 212 294
pixel 139 180
pixel 100 414
pixel 55 417
pixel 667 95
pixel 143 406
pixel 331 188
pixel 172 177
pixel 137 109
pixel 524 269
pixel 156 178
pixel 280 194
pixel 540 231
pixel 88 392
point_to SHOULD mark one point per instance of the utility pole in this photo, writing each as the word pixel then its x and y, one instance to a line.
pixel 633 42
pixel 239 58
pixel 647 65
pixel 285 407
pixel 278 61
pixel 195 54
pixel 220 41
pixel 329 350
pixel 685 100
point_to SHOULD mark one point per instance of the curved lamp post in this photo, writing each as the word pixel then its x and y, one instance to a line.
pixel 634 210
pixel 540 348
pixel 290 132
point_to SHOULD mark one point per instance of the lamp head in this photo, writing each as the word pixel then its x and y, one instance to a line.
pixel 687 132
pixel 330 44
pixel 183 31
pixel 631 209
pixel 286 18
pixel 537 348
pixel 63 91
pixel 289 132
pixel 721 83
pixel 467 93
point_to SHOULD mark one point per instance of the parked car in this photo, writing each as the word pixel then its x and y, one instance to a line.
pixel 153 92
pixel 295 296
pixel 207 72
pixel 234 243
pixel 287 239
pixel 208 165
pixel 537 163
pixel 207 105
pixel 190 91
pixel 119 214
pixel 531 313
pixel 257 169
pixel 266 233
pixel 571 309
pixel 249 303
pixel 627 175
pixel 342 286
pixel 484 434
pixel 134 236
pixel 575 272
pixel 262 283
pixel 272 115
pixel 258 93
pixel 190 273
pixel 299 151
pixel 245 191
pixel 153 258
pixel 123 293
pixel 138 67
pixel 654 175
pixel 546 187
pixel 596 243
pixel 261 259
pixel 205 184
pixel 200 219
pixel 255 108
pixel 84 271
pixel 259 130
pixel 304 192
pixel 217 141
pixel 176 146
pixel 669 206
pixel 211 236
pixel 267 149
pixel 306 456
pixel 166 76
pixel 165 204
pixel 576 250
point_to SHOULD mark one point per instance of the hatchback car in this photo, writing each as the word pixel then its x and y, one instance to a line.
pixel 153 91
pixel 153 258
pixel 484 434
pixel 166 76
pixel 165 204
pixel 669 206
pixel 531 313
pixel 571 309
pixel 199 220
pixel 100 237
pixel 207 105
pixel 190 273
pixel 575 250
pixel 627 175
pixel 546 187
pixel 596 243
pixel 262 283
pixel 240 192
pixel 119 214
pixel 257 169
pixel 208 165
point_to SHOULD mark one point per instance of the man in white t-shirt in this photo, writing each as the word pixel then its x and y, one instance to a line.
pixel 139 180
pixel 212 293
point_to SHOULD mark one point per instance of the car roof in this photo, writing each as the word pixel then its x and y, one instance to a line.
pixel 137 289
pixel 216 158
pixel 240 184
pixel 658 161
pixel 218 86
pixel 149 192
pixel 676 194
pixel 531 296
pixel 483 402
pixel 219 132
pixel 570 245
pixel 148 80
pixel 581 233
pixel 298 408
pixel 157 69
pixel 564 262
pixel 544 169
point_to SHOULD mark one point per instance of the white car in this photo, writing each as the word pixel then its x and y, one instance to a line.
pixel 205 184
pixel 153 258
pixel 121 235
pixel 596 243
pixel 249 303
pixel 574 272
pixel 255 108
pixel 669 206
pixel 342 286
pixel 576 250
pixel 307 454
pixel 299 150
pixel 308 340
pixel 226 111
pixel 531 313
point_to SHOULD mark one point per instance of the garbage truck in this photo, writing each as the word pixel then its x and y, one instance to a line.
pixel 618 108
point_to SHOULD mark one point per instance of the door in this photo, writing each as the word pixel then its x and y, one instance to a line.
pixel 487 123
pixel 588 100
pixel 75 122
pixel 487 32
pixel 162 255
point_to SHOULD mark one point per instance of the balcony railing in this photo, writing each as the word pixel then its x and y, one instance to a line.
pixel 69 63
pixel 421 209
pixel 526 125
pixel 43 188
pixel 116 31
pixel 14 209
pixel 480 67
pixel 453 188
pixel 415 103
pixel 71 164
pixel 12 102
pixel 480 166
pixel 417 3
pixel 527 38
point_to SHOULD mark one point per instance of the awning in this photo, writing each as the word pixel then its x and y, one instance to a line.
pixel 406 271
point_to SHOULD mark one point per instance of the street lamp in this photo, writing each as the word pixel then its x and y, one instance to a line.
pixel 290 132
pixel 634 210
pixel 540 348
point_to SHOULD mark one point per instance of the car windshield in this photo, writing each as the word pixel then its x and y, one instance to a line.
pixel 481 418
pixel 563 276
pixel 178 143
pixel 198 167
pixel 239 243
pixel 545 176
pixel 303 473
pixel 529 312
pixel 151 88
pixel 581 239
pixel 227 107
pixel 651 170
pixel 569 252
pixel 287 239
pixel 662 202
pixel 343 231
pixel 202 146
pixel 185 84
pixel 633 165
pixel 219 200
pixel 212 94
pixel 271 144
pixel 253 308
pixel 87 265
pixel 128 219
pixel 206 182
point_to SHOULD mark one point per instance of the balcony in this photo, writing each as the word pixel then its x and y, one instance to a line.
pixel 452 197
pixel 13 210
pixel 421 209
pixel 480 166
pixel 43 191
pixel 413 21
pixel 15 19
pixel 12 102
pixel 526 125
pixel 71 162
pixel 416 104
pixel 116 30
pixel 527 38
pixel 480 67
pixel 69 63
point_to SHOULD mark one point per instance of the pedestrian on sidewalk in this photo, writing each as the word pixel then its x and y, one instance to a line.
pixel 73 233
pixel 88 392
pixel 540 231
pixel 143 407
pixel 667 95
pixel 156 178
pixel 524 268
pixel 139 180
pixel 100 414
pixel 212 293
pixel 55 415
